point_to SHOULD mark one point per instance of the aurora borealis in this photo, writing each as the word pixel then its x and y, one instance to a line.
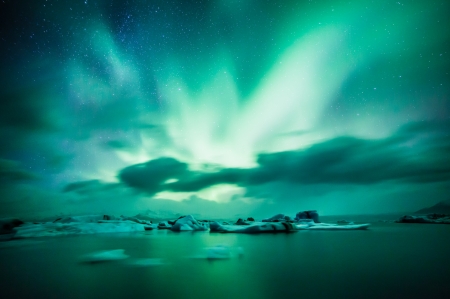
pixel 223 107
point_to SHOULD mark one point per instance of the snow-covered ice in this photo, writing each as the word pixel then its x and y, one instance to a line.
pixel 304 225
pixel 94 224
pixel 72 228
pixel 257 227
pixel 188 223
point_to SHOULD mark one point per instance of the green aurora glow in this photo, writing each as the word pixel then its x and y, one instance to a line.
pixel 224 107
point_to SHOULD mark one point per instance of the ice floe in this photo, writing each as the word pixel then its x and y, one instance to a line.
pixel 145 262
pixel 257 227
pixel 311 214
pixel 219 252
pixel 73 228
pixel 188 223
pixel 119 255
pixel 104 256
pixel 94 224
pixel 164 225
pixel 327 226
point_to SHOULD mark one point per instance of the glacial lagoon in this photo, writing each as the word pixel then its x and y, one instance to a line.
pixel 389 260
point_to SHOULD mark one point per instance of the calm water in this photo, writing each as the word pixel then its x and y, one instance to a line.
pixel 387 261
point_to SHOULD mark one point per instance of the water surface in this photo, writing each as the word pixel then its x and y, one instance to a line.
pixel 387 261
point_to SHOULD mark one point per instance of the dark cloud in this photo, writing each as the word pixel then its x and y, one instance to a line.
pixel 11 171
pixel 117 144
pixel 194 181
pixel 90 187
pixel 26 111
pixel 348 160
pixel 150 176
pixel 32 122
pixel 417 153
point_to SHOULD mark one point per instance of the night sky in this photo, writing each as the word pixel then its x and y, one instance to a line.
pixel 223 107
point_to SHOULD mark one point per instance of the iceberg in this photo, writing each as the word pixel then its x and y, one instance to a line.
pixel 188 223
pixel 311 225
pixel 257 227
pixel 94 224
pixel 50 229
pixel 164 225
pixel 305 220
pixel 218 252
pixel 311 214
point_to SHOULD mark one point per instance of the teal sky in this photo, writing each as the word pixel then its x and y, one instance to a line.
pixel 223 107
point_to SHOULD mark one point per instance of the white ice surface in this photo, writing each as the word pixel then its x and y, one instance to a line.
pixel 73 228
pixel 261 227
pixel 188 223
pixel 328 226
pixel 257 227
pixel 105 256
pixel 145 262
pixel 219 252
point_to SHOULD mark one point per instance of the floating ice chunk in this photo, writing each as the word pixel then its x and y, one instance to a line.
pixel 327 226
pixel 145 262
pixel 73 228
pixel 311 214
pixel 257 227
pixel 188 223
pixel 218 252
pixel 164 225
pixel 105 256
